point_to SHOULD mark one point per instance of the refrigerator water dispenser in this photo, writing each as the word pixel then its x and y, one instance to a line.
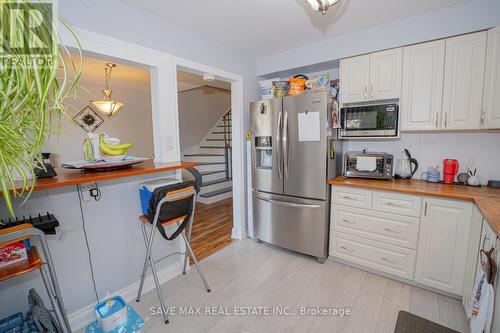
pixel 264 152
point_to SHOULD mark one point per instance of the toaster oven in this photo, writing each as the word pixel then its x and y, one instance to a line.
pixel 368 165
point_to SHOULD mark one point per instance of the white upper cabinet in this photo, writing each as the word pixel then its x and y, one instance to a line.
pixel 354 76
pixel 463 81
pixel 422 88
pixel 376 76
pixel 491 98
pixel 385 74
pixel 443 244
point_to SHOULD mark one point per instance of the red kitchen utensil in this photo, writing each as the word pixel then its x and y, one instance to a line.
pixel 450 170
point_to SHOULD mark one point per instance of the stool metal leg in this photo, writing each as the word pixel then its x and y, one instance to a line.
pixel 145 267
pixel 158 290
pixel 53 300
pixel 149 257
pixel 55 284
pixel 190 230
pixel 188 246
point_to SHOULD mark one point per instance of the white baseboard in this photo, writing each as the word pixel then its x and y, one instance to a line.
pixel 84 316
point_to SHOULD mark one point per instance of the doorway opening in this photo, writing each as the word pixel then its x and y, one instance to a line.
pixel 205 132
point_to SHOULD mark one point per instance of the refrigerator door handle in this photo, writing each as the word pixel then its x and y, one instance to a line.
pixel 286 144
pixel 279 145
pixel 287 204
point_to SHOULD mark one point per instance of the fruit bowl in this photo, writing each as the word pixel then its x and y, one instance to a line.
pixel 115 158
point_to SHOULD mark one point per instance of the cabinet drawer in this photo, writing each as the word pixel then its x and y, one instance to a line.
pixel 386 258
pixel 388 228
pixel 397 203
pixel 353 197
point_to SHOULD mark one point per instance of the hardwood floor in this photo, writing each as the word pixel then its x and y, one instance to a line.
pixel 249 274
pixel 212 227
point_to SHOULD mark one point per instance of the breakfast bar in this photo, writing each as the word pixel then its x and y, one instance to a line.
pixel 67 177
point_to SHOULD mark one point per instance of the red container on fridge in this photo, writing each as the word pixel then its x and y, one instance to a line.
pixel 450 170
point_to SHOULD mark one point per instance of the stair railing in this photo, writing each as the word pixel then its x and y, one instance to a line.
pixel 226 119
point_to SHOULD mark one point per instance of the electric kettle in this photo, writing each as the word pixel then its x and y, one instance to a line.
pixel 406 166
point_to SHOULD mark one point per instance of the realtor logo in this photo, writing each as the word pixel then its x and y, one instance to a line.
pixel 26 34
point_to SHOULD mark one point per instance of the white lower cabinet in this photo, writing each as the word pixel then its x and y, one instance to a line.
pixel 442 245
pixel 393 260
pixel 420 239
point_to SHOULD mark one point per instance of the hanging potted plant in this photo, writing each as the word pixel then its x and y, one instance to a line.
pixel 36 75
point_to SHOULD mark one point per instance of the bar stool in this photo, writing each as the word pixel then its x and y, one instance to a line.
pixel 183 220
pixel 22 232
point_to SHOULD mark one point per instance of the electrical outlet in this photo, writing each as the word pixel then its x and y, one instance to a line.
pixel 88 186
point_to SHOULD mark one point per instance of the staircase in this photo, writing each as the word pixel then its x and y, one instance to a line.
pixel 213 156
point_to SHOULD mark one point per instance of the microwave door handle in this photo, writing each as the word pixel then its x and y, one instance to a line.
pixel 279 145
pixel 286 144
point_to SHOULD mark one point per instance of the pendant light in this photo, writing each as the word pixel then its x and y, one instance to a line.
pixel 322 5
pixel 107 106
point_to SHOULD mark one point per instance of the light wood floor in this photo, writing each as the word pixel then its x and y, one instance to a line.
pixel 249 274
pixel 212 227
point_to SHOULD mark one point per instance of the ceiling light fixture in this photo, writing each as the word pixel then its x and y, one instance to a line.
pixel 208 77
pixel 107 106
pixel 321 5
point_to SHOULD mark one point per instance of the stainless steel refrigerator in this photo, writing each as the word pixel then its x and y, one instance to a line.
pixel 293 156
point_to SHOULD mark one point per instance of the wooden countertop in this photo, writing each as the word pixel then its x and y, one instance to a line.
pixel 487 199
pixel 67 177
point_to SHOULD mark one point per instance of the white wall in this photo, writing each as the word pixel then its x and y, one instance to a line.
pixel 132 124
pixel 199 110
pixel 431 148
pixel 467 17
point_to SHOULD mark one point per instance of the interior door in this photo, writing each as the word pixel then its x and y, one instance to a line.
pixel 304 165
pixel 267 163
pixel 385 74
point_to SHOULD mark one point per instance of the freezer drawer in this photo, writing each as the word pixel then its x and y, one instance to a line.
pixel 296 224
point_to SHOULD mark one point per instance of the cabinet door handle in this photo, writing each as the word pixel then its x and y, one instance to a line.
pixel 482 119
pixel 347 249
pixel 486 238
pixel 389 261
pixel 347 221
pixel 437 119
pixel 446 120
pixel 349 197
pixel 425 209
pixel 394 204
pixel 393 231
pixel 371 90
pixel 366 92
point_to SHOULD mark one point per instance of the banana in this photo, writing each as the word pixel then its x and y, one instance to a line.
pixel 118 146
pixel 108 151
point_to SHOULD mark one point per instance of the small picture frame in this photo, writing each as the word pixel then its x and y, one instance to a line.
pixel 88 119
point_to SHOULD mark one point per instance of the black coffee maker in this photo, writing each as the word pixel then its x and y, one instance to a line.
pixel 46 170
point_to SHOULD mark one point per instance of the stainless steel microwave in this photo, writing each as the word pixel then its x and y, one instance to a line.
pixel 375 121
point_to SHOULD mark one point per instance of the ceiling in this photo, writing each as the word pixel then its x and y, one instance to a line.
pixel 261 27
pixel 186 81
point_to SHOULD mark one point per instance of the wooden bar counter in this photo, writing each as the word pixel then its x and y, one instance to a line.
pixel 487 199
pixel 67 177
